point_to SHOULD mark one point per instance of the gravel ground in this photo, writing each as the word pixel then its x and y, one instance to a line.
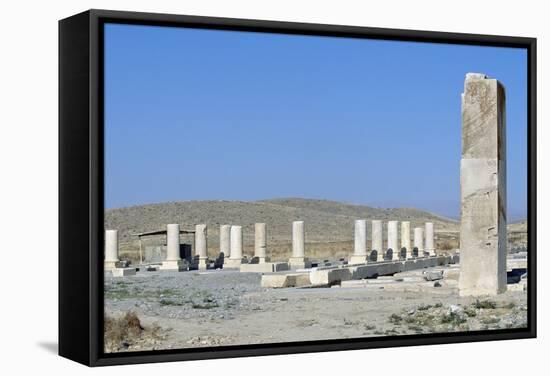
pixel 192 309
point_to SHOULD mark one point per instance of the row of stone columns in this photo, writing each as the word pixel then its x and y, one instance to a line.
pixel 231 243
pixel 360 243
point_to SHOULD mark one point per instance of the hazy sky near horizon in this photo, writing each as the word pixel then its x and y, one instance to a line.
pixel 201 114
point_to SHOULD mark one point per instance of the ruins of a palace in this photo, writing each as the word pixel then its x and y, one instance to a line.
pixel 394 246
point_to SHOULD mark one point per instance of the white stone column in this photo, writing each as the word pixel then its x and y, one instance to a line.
pixel 201 245
pixel 392 239
pixel 298 259
pixel 360 244
pixel 225 240
pixel 377 244
pixel 111 250
pixel 173 242
pixel 260 242
pixel 236 251
pixel 483 236
pixel 173 260
pixel 429 234
pixel 406 238
pixel 419 241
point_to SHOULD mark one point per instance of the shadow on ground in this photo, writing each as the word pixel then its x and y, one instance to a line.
pixel 50 347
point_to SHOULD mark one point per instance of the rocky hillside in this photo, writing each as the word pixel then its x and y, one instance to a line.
pixel 326 221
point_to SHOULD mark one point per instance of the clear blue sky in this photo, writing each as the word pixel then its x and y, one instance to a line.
pixel 203 114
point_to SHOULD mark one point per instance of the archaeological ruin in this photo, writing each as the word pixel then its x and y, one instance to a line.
pixel 482 250
pixel 483 187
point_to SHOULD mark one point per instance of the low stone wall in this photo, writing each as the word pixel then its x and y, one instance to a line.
pixel 327 276
pixel 266 267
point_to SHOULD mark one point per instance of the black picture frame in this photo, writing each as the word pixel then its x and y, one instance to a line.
pixel 81 186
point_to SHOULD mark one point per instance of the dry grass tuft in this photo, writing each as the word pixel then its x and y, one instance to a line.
pixel 121 332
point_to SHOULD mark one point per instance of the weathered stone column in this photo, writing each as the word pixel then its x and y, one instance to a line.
pixel 418 242
pixel 201 246
pixel 225 240
pixel 173 260
pixel 111 250
pixel 236 252
pixel 377 244
pixel 406 239
pixel 429 234
pixel 260 242
pixel 298 259
pixel 483 235
pixel 360 245
pixel 172 242
pixel 392 240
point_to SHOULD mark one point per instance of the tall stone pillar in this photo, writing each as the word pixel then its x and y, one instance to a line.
pixel 260 242
pixel 429 242
pixel 225 240
pixel 111 250
pixel 298 259
pixel 360 244
pixel 201 246
pixel 392 240
pixel 173 260
pixel 406 239
pixel 236 251
pixel 377 244
pixel 418 245
pixel 483 187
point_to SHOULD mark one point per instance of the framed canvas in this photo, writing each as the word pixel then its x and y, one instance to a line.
pixel 234 187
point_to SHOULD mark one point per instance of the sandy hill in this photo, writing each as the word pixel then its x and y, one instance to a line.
pixel 326 221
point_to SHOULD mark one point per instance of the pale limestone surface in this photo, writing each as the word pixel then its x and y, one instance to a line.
pixel 329 276
pixel 337 274
pixel 265 267
pixel 419 240
pixel 285 280
pixel 516 264
pixel 225 239
pixel 391 267
pixel 298 239
pixel 260 242
pixel 236 242
pixel 111 250
pixel 483 187
pixel 406 238
pixel 298 259
pixel 377 239
pixel 173 261
pixel 236 252
pixel 123 272
pixel 172 242
pixel 392 240
pixel 429 241
pixel 111 245
pixel 201 245
pixel 360 242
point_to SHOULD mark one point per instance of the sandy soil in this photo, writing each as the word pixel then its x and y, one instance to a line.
pixel 191 309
